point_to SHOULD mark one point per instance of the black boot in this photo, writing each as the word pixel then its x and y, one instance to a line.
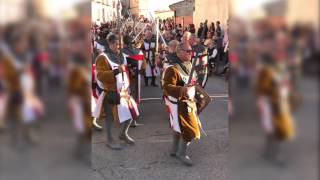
pixel 146 81
pixel 153 82
pixel 110 141
pixel 124 133
pixel 184 158
pixel 175 145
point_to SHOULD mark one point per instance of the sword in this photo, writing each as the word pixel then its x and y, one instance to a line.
pixel 139 33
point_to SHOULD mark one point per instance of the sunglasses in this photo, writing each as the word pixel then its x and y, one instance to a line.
pixel 187 50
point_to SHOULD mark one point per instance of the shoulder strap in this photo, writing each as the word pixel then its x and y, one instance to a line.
pixel 185 70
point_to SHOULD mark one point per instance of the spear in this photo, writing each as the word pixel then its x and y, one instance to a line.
pixel 157 30
pixel 118 24
pixel 120 33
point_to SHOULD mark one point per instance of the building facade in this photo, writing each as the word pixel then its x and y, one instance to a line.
pixel 212 10
pixel 140 8
pixel 164 14
pixel 183 12
pixel 104 10
pixel 197 11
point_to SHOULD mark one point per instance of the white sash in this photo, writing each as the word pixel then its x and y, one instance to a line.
pixel 172 106
pixel 173 113
pixel 266 114
pixel 77 113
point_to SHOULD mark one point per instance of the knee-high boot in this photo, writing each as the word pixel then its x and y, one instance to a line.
pixel 175 144
pixel 153 81
pixel 110 141
pixel 146 79
pixel 183 153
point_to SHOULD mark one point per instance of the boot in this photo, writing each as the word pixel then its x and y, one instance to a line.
pixel 124 133
pixel 110 141
pixel 184 158
pixel 31 134
pixel 278 157
pixel 268 149
pixel 146 81
pixel 175 145
pixel 153 82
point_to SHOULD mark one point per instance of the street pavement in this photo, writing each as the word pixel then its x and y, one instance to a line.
pixel 53 157
pixel 247 139
pixel 149 157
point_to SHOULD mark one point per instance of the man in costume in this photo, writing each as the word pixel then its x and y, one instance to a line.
pixel 78 88
pixel 136 65
pixel 119 107
pixel 186 37
pixel 172 47
pixel 274 94
pixel 170 57
pixel 13 57
pixel 79 92
pixel 201 56
pixel 148 48
pixel 179 94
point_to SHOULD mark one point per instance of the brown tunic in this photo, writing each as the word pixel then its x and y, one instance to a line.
pixel 106 75
pixel 188 121
pixel 12 81
pixel 269 85
pixel 78 85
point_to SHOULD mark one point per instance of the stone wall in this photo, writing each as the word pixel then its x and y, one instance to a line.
pixel 184 8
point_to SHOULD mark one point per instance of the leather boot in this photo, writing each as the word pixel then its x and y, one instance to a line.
pixel 110 141
pixel 175 145
pixel 146 83
pixel 153 82
pixel 184 158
